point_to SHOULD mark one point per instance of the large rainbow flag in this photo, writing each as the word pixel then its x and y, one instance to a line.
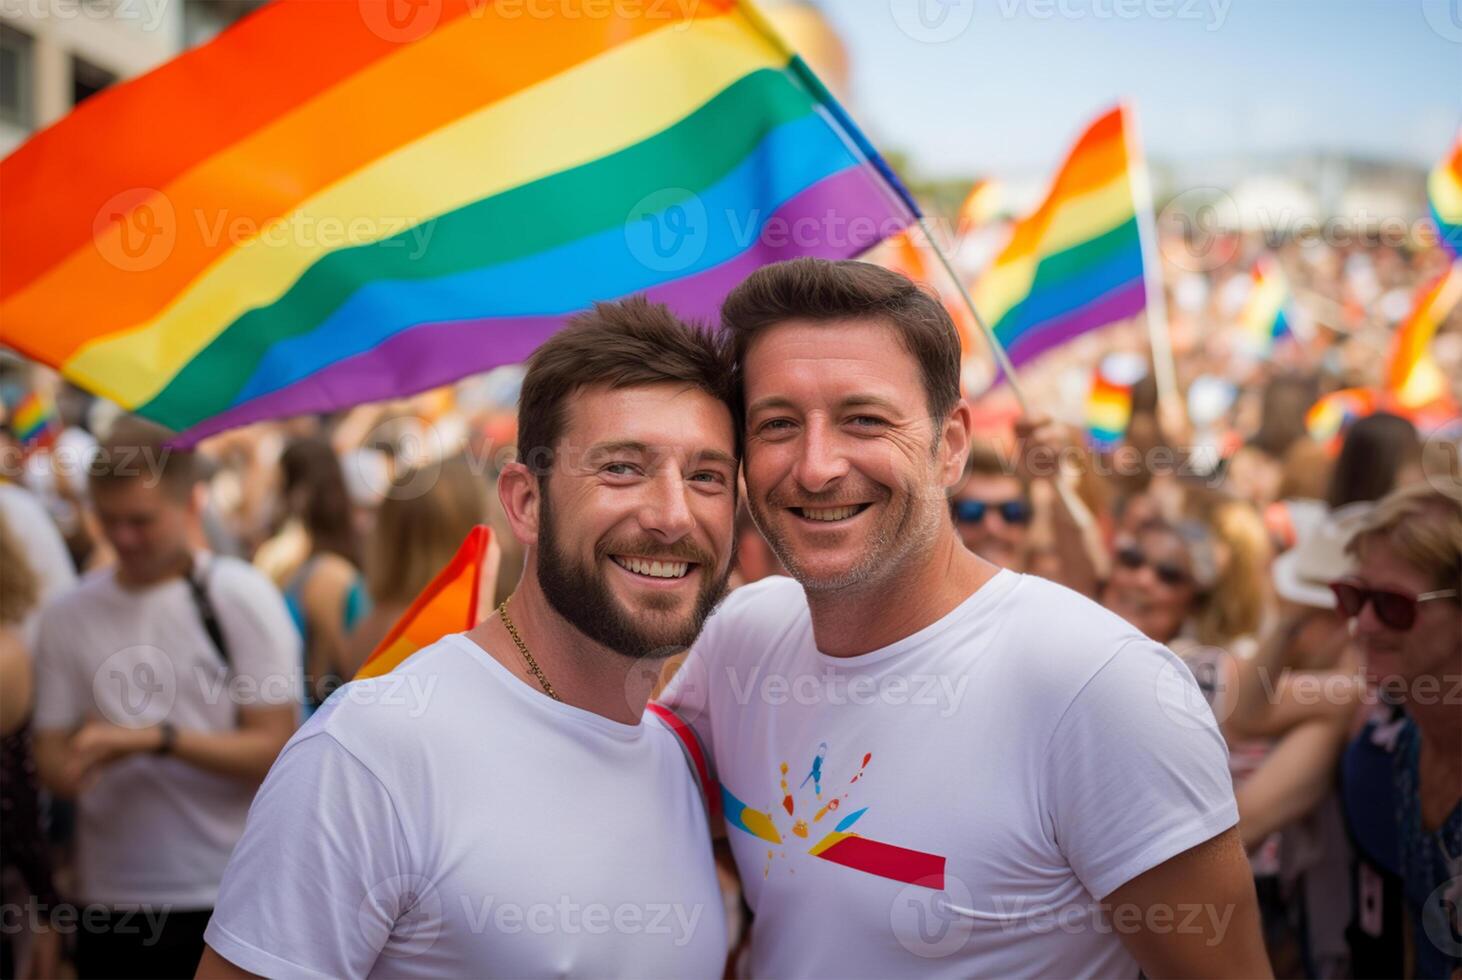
pixel 1444 195
pixel 325 205
pixel 1075 263
pixel 449 604
pixel 1413 378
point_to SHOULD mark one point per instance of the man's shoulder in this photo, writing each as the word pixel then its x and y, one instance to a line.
pixel 81 595
pixel 226 571
pixel 1055 639
pixel 1046 614
pixel 402 713
pixel 761 610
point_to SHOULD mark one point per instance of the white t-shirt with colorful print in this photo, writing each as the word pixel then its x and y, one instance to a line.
pixel 954 804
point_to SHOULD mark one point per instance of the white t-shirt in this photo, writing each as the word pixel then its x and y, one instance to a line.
pixel 43 547
pixel 447 820
pixel 953 804
pixel 152 828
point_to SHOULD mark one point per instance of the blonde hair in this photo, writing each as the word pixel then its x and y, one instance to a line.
pixel 415 536
pixel 19 588
pixel 1235 604
pixel 1424 525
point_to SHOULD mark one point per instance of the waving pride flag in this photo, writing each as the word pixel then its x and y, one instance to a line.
pixel 449 604
pixel 326 206
pixel 1444 194
pixel 1075 263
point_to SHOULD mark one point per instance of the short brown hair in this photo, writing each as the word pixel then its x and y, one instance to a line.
pixel 822 291
pixel 624 344
pixel 1424 525
pixel 135 449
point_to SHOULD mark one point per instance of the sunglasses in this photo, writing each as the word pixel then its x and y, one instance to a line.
pixel 1395 610
pixel 973 511
pixel 1167 573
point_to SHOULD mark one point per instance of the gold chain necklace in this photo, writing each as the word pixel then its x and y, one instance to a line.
pixel 502 612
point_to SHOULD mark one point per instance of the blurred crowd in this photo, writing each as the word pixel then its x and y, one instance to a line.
pixel 1289 569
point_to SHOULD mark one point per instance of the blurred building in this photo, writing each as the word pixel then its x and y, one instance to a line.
pixel 54 54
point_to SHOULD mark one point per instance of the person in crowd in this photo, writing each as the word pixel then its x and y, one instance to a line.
pixel 992 509
pixel 415 535
pixel 38 539
pixel 1401 777
pixel 326 593
pixel 884 832
pixel 1380 452
pixel 470 829
pixel 25 856
pixel 165 687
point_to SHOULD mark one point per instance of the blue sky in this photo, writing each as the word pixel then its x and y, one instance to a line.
pixel 1009 88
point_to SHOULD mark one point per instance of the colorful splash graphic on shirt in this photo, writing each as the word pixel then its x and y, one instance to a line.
pixel 838 844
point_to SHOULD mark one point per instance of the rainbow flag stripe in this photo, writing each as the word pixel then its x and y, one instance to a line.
pixel 1444 195
pixel 410 204
pixel 449 604
pixel 1075 264
pixel 1412 376
pixel 1263 320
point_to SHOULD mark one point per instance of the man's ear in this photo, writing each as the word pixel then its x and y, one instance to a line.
pixel 954 443
pixel 520 493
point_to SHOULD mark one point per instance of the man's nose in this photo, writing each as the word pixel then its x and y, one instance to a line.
pixel 666 512
pixel 822 463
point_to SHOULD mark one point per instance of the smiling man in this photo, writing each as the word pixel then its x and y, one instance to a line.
pixel 930 765
pixel 517 818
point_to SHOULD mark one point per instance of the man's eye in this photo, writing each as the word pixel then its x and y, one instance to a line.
pixel 708 476
pixel 775 425
pixel 620 469
pixel 867 421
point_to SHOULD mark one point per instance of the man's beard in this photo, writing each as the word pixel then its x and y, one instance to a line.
pixel 905 531
pixel 582 596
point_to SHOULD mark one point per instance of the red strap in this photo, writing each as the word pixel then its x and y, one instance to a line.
pixel 691 743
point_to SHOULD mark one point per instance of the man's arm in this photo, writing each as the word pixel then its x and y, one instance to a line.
pixel 67 762
pixel 215 967
pixel 1194 915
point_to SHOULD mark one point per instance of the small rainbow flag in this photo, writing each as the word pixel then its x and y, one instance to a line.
pixel 1075 264
pixel 34 420
pixel 1444 195
pixel 1263 319
pixel 449 604
pixel 1412 376
pixel 344 204
pixel 1328 418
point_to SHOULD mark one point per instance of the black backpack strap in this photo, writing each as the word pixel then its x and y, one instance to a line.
pixel 198 584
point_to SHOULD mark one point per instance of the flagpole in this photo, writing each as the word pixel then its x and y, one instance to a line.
pixel 1157 305
pixel 1002 359
pixel 1078 510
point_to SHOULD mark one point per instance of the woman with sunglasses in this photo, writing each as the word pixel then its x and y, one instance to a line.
pixel 1160 576
pixel 1401 778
